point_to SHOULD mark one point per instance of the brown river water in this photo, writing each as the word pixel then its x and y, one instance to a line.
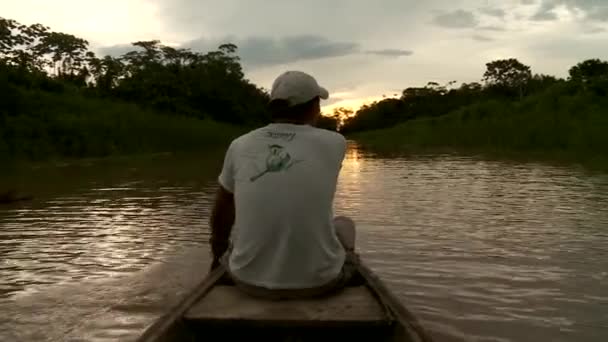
pixel 479 250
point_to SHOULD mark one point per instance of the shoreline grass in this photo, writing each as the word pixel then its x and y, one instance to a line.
pixel 552 127
pixel 52 126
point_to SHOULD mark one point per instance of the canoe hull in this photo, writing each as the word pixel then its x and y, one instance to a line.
pixel 215 311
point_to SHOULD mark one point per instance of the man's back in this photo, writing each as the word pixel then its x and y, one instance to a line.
pixel 283 177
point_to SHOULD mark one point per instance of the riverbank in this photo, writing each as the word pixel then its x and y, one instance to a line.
pixel 55 126
pixel 555 127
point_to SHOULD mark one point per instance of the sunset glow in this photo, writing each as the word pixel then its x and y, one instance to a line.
pixel 353 104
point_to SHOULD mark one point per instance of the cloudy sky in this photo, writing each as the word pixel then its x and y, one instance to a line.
pixel 359 49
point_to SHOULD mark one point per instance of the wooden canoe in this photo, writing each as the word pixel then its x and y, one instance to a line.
pixel 215 311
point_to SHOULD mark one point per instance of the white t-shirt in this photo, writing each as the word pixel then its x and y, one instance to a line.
pixel 283 177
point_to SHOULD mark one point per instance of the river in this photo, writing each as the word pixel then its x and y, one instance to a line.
pixel 479 250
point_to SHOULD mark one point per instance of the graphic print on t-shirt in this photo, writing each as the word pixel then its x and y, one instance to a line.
pixel 277 160
pixel 281 135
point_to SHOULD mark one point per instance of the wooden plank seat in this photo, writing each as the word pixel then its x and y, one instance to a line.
pixel 353 306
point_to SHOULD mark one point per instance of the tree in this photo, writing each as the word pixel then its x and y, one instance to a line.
pixel 164 78
pixel 508 74
pixel 589 70
pixel 68 55
pixel 212 84
pixel 540 82
pixel 7 39
pixel 106 72
pixel 473 87
pixel 17 43
pixel 328 122
pixel 342 114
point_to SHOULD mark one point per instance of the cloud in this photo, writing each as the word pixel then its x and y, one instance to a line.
pixel 116 50
pixel 343 19
pixel 456 19
pixel 596 10
pixel 494 12
pixel 492 28
pixel 481 38
pixel 595 30
pixel 554 50
pixel 263 51
pixel 600 14
pixel 546 15
pixel 332 100
pixel 391 52
pixel 545 11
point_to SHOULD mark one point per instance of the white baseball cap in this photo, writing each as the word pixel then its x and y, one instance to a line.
pixel 297 87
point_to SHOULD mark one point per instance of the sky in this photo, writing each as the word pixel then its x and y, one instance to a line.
pixel 360 50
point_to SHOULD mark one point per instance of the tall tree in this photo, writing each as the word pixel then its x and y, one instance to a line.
pixel 7 39
pixel 106 72
pixel 508 74
pixel 592 69
pixel 17 43
pixel 67 53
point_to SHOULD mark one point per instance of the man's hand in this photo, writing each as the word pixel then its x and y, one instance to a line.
pixel 221 221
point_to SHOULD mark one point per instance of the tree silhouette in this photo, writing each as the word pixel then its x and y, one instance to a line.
pixel 589 70
pixel 508 74
pixel 212 84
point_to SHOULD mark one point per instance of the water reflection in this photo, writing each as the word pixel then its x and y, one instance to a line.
pixel 480 250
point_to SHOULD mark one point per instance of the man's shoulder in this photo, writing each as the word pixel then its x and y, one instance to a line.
pixel 333 142
pixel 333 137
pixel 336 135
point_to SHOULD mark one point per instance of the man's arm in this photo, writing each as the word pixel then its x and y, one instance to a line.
pixel 221 221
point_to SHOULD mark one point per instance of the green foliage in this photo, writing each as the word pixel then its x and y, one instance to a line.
pixel 563 120
pixel 158 77
pixel 508 73
pixel 181 81
pixel 505 81
pixel 54 125
pixel 60 99
pixel 328 122
pixel 589 70
pixel 429 101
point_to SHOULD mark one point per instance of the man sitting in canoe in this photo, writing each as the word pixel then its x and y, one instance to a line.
pixel 272 224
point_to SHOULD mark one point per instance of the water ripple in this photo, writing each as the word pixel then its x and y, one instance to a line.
pixel 479 250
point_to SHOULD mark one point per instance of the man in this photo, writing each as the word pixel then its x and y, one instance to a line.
pixel 272 224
